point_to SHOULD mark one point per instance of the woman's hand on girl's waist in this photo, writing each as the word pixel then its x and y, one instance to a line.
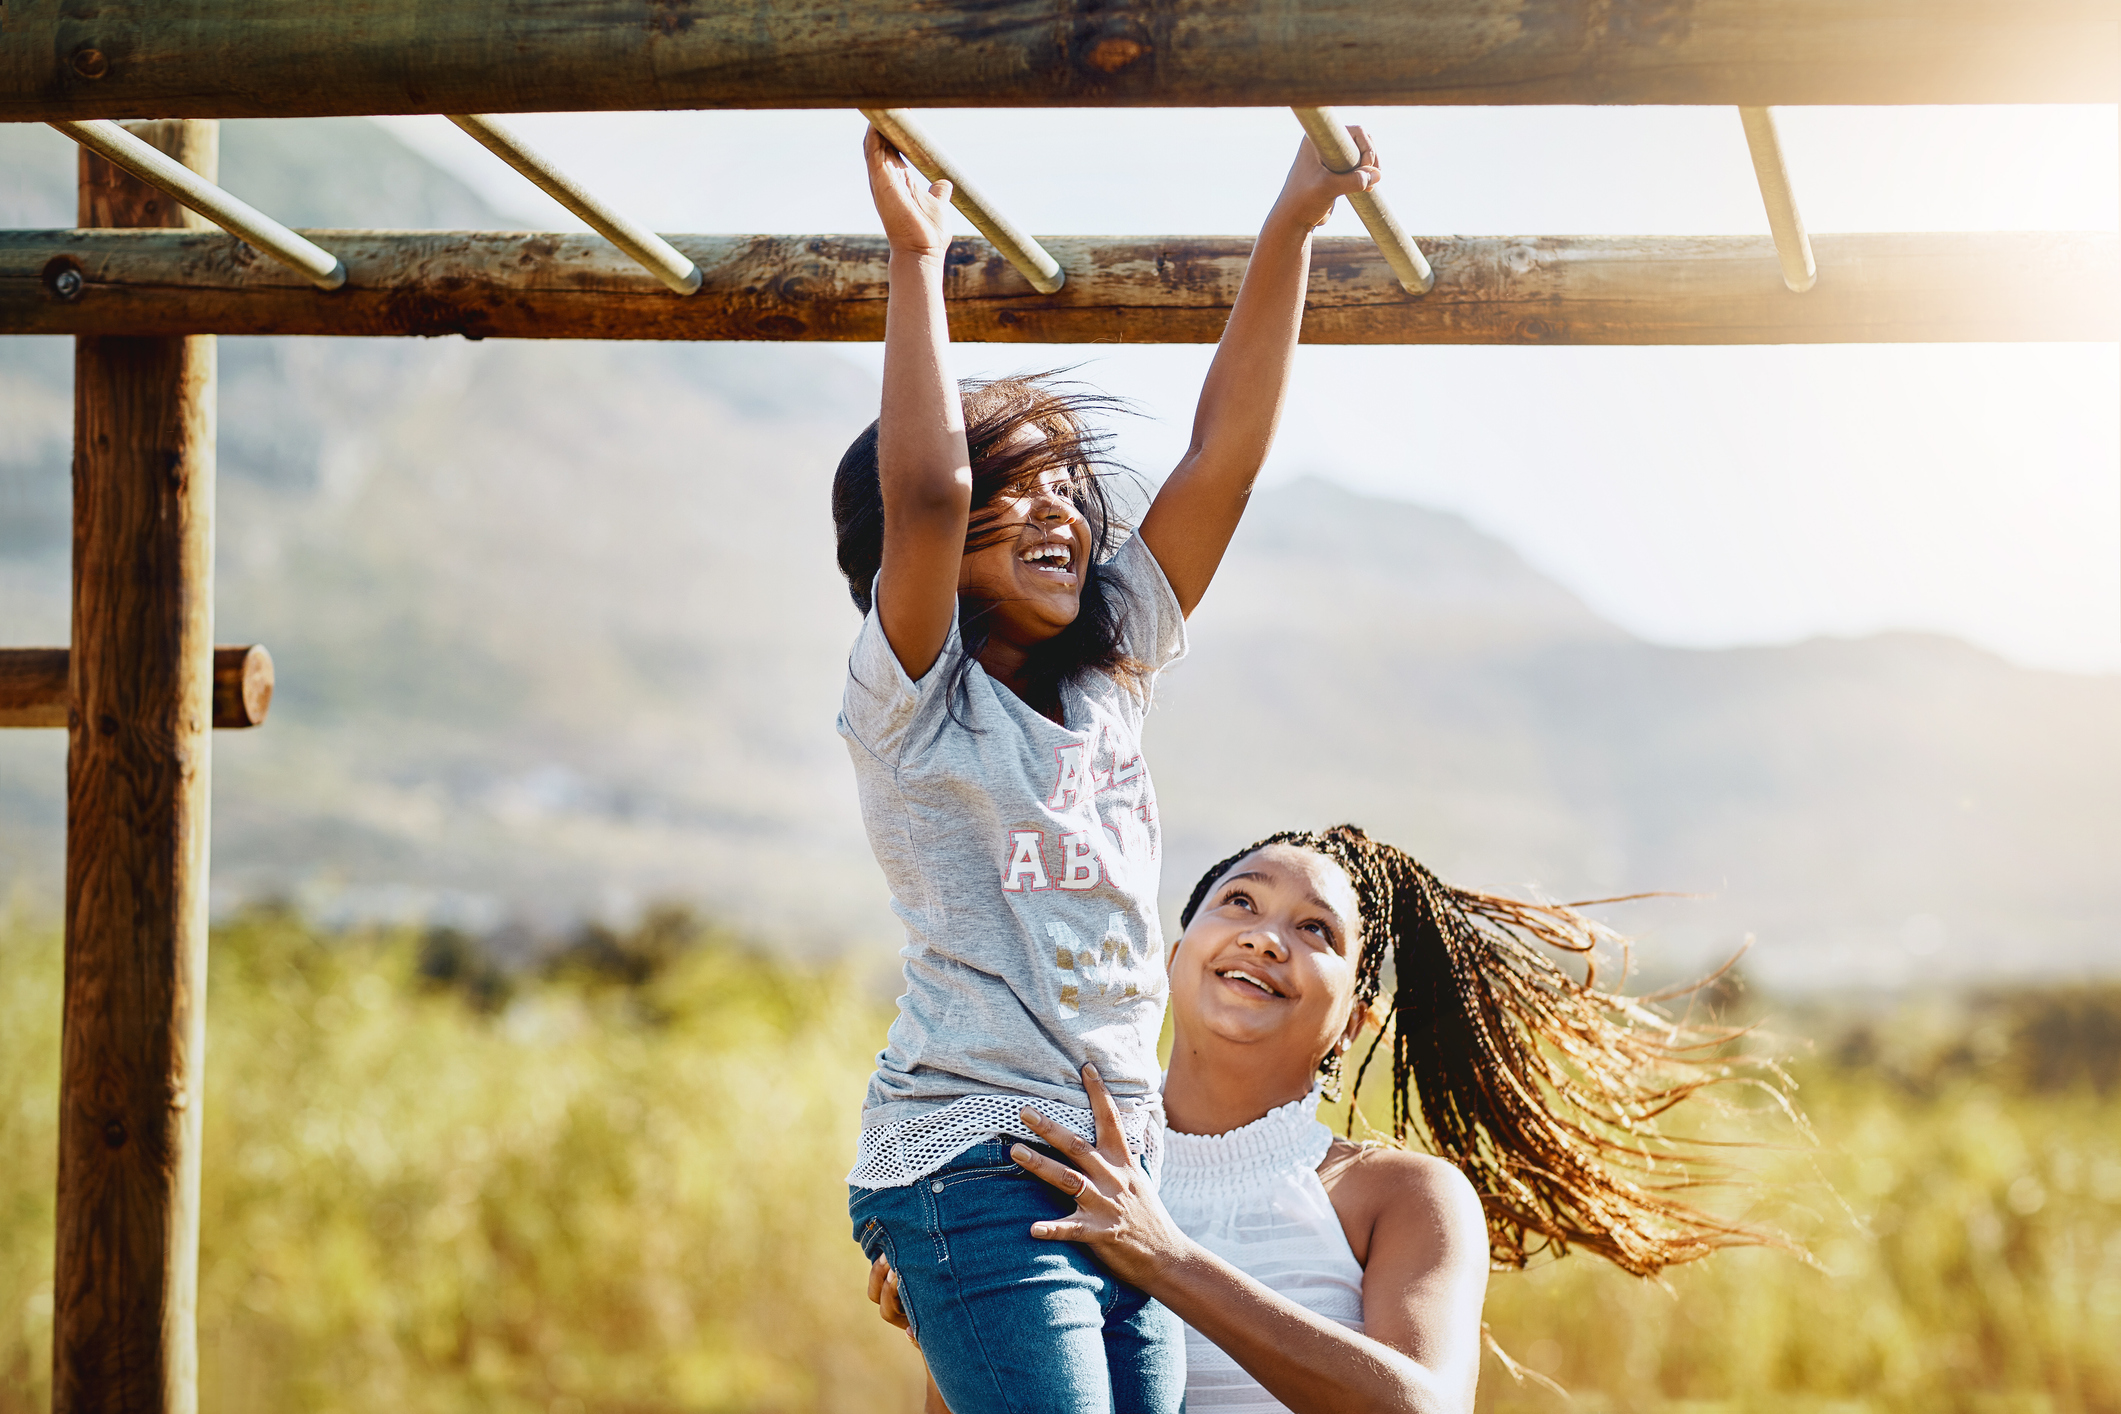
pixel 1313 1365
pixel 1117 1213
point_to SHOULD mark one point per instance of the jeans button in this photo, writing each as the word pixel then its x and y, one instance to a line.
pixel 936 1187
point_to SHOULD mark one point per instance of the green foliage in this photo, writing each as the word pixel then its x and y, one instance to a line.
pixel 29 1132
pixel 2047 1041
pixel 613 1183
pixel 588 1196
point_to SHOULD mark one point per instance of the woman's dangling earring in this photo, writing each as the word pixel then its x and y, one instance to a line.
pixel 1329 1076
pixel 1329 1072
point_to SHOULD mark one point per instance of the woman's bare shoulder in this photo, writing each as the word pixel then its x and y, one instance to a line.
pixel 1395 1175
pixel 1373 1184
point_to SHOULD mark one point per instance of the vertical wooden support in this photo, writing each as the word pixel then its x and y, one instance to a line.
pixel 139 739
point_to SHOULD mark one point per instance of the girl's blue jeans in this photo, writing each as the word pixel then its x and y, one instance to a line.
pixel 1010 1323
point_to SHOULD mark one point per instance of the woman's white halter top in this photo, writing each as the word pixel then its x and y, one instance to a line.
pixel 1252 1197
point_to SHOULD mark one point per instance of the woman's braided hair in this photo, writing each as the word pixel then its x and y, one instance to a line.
pixel 1545 1090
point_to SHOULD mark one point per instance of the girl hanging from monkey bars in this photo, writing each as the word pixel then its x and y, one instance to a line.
pixel 1012 635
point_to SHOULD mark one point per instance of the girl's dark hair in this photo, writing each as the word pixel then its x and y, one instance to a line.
pixel 1545 1090
pixel 995 411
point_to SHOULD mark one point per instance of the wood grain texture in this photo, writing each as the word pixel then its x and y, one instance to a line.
pixel 271 58
pixel 1489 290
pixel 33 686
pixel 138 763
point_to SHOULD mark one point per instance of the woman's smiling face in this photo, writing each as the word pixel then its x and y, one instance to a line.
pixel 1270 956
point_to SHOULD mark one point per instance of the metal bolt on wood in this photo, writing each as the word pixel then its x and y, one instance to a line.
pixel 240 219
pixel 1027 255
pixel 1336 147
pixel 655 254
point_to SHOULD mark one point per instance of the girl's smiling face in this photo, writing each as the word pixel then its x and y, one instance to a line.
pixel 1270 957
pixel 1034 550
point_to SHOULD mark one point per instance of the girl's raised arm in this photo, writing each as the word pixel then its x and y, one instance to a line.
pixel 1195 514
pixel 923 467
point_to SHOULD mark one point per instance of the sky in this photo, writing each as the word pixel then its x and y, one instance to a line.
pixel 1704 497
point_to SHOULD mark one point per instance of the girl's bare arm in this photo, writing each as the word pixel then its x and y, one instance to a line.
pixel 1194 515
pixel 923 465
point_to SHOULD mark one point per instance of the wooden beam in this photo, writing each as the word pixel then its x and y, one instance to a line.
pixel 138 761
pixel 1489 290
pixel 272 58
pixel 33 686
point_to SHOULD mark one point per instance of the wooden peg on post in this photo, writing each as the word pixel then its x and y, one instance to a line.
pixel 33 686
pixel 139 750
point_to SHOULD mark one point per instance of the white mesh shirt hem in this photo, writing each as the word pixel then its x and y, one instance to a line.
pixel 895 1155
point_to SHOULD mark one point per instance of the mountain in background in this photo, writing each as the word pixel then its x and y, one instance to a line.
pixel 559 633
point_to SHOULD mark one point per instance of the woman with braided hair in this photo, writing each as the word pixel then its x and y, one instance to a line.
pixel 1317 1274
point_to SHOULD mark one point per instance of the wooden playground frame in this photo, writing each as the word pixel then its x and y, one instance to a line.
pixel 144 284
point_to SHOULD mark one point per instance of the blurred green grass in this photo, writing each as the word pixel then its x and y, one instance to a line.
pixel 424 1194
pixel 615 1184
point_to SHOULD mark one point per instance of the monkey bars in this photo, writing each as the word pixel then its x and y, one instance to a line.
pixel 645 246
pixel 1337 149
pixel 324 269
pixel 142 684
pixel 1029 258
pixel 235 216
pixel 1792 246
pixel 1335 145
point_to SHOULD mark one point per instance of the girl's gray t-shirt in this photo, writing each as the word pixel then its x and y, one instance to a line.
pixel 1023 858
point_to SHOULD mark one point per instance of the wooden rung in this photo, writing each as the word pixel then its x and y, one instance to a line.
pixel 1800 270
pixel 33 686
pixel 239 218
pixel 654 253
pixel 1031 260
pixel 1337 149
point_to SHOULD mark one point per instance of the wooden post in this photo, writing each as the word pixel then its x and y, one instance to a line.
pixel 139 749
